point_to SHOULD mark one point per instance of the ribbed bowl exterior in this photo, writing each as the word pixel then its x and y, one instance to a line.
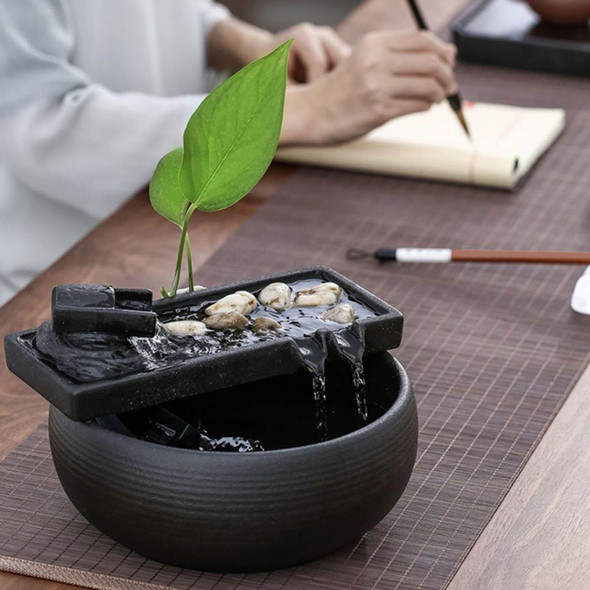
pixel 238 511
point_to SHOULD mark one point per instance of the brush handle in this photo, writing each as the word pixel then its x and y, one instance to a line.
pixel 521 256
pixel 502 256
pixel 454 100
pixel 417 13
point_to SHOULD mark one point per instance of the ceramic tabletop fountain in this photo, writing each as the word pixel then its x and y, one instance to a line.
pixel 245 427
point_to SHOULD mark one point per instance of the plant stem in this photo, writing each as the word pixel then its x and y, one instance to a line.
pixel 189 263
pixel 183 237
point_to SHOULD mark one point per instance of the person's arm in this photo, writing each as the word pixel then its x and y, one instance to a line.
pixel 66 137
pixel 315 51
pixel 346 91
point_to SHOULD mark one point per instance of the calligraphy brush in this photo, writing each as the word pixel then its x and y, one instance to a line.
pixel 449 255
pixel 454 100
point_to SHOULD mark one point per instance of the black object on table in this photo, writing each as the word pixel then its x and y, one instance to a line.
pixel 509 33
pixel 144 387
pixel 102 308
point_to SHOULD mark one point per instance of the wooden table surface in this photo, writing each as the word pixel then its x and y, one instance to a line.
pixel 539 537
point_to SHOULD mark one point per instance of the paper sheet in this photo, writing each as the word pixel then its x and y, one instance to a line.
pixel 506 142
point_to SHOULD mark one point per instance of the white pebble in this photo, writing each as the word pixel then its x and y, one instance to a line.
pixel 324 294
pixel 276 295
pixel 240 301
pixel 341 314
pixel 186 328
pixel 263 324
pixel 227 320
pixel 187 289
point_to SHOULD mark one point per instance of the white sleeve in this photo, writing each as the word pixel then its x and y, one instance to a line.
pixel 66 137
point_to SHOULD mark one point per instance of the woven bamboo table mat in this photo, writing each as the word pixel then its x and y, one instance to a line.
pixel 493 351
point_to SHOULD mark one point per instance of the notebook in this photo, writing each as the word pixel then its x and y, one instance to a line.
pixel 506 143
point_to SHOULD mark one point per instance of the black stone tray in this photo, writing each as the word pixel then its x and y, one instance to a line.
pixel 510 34
pixel 271 358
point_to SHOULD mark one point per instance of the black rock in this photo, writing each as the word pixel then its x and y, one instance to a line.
pixel 102 308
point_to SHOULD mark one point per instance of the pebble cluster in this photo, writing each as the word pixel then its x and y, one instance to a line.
pixel 231 312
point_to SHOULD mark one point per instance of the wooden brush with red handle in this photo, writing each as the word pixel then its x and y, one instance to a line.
pixel 449 255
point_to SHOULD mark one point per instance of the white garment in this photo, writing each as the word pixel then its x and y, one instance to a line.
pixel 92 94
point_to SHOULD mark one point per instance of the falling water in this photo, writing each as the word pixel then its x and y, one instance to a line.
pixel 314 352
pixel 358 378
pixel 155 349
pixel 351 344
pixel 319 395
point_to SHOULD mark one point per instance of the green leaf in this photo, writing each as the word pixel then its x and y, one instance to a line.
pixel 165 194
pixel 232 137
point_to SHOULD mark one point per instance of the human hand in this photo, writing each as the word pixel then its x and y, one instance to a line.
pixel 315 51
pixel 387 75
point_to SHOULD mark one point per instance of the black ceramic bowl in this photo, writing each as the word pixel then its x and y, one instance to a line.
pixel 226 511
